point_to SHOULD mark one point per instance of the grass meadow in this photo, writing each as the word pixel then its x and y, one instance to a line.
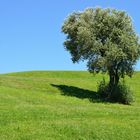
pixel 63 105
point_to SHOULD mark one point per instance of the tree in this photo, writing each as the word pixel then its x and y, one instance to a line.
pixel 105 38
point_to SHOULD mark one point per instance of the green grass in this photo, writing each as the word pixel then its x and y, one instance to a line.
pixel 63 106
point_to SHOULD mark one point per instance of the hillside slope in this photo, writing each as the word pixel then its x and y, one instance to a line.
pixel 60 105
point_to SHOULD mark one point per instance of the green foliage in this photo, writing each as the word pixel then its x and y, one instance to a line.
pixel 103 90
pixel 106 39
pixel 120 93
pixel 103 37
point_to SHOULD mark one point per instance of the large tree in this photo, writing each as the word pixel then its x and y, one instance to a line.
pixel 105 38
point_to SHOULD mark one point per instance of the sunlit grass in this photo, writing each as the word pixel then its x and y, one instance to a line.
pixel 60 106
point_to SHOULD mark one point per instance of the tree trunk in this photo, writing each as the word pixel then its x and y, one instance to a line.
pixel 114 80
pixel 117 79
pixel 111 82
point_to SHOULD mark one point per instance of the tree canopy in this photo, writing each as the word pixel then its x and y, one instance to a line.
pixel 105 38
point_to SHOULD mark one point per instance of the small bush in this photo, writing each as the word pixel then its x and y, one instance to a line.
pixel 120 93
pixel 103 89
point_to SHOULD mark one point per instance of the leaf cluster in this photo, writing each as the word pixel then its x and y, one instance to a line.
pixel 104 37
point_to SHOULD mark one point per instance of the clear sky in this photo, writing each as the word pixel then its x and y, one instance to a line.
pixel 30 32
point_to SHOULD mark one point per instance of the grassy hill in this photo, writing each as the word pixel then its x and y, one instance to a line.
pixel 63 106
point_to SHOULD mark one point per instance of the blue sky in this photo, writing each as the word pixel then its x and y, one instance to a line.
pixel 30 32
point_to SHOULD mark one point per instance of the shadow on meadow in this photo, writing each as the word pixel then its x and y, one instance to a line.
pixel 78 92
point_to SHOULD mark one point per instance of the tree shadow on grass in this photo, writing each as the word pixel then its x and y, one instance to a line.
pixel 78 92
